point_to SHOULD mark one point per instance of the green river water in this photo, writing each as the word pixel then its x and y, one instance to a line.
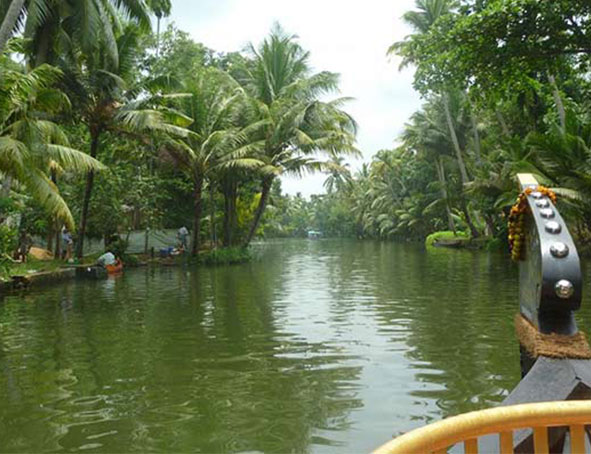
pixel 317 346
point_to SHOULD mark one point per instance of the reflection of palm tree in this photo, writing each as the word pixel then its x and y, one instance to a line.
pixel 458 328
pixel 200 360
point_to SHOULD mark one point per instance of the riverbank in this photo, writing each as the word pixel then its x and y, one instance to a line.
pixel 35 272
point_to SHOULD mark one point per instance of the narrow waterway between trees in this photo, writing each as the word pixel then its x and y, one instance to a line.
pixel 315 346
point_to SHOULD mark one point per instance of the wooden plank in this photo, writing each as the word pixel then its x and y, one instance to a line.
pixel 577 439
pixel 471 446
pixel 506 442
pixel 541 440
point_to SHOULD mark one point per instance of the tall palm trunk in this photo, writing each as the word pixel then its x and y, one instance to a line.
pixel 197 211
pixel 44 43
pixel 461 165
pixel 212 229
pixel 55 225
pixel 558 102
pixel 490 225
pixel 57 253
pixel 157 36
pixel 475 133
pixel 94 145
pixel 53 222
pixel 441 175
pixel 50 233
pixel 230 195
pixel 9 22
pixel 266 189
pixel 454 140
pixel 464 207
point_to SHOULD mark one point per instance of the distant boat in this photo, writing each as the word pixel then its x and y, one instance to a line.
pixel 314 234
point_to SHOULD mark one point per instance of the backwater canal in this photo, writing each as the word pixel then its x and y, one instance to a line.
pixel 316 347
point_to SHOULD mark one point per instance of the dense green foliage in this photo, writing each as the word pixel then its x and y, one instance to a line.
pixel 506 85
pixel 106 126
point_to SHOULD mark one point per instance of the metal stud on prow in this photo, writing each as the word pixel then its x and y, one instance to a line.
pixel 547 213
pixel 542 203
pixel 564 289
pixel 553 227
pixel 537 195
pixel 559 249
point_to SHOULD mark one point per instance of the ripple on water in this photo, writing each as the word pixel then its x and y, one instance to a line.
pixel 321 345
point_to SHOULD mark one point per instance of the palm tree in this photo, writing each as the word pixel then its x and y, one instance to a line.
pixel 339 175
pixel 293 123
pixel 105 94
pixel 31 145
pixel 428 12
pixel 421 21
pixel 10 20
pixel 360 198
pixel 161 8
pixel 214 143
pixel 57 26
pixel 425 135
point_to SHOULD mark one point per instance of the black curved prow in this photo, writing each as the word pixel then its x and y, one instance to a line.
pixel 550 282
pixel 550 291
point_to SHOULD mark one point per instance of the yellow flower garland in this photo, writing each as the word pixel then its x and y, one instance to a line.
pixel 517 233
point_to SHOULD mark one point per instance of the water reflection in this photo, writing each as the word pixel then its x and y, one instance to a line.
pixel 319 345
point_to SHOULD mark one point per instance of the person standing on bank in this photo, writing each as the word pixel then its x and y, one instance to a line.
pixel 182 236
pixel 68 242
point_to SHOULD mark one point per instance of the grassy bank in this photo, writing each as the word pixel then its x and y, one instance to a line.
pixel 446 238
pixel 225 256
pixel 461 240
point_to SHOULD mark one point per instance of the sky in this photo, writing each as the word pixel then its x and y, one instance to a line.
pixel 349 37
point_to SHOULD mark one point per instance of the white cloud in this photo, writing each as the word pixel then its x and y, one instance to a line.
pixel 348 37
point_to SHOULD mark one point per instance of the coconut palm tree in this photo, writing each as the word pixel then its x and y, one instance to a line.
pixel 293 123
pixel 108 97
pixel 12 10
pixel 31 145
pixel 161 8
pixel 424 134
pixel 215 143
pixel 54 26
pixel 339 175
pixel 421 21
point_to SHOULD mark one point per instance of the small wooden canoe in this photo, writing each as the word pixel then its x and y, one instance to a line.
pixel 116 268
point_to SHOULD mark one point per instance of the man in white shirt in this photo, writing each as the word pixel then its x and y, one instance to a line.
pixel 106 259
pixel 182 235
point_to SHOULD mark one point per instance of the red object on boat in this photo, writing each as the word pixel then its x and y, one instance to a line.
pixel 116 268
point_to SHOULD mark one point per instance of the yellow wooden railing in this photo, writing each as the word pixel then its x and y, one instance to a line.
pixel 438 437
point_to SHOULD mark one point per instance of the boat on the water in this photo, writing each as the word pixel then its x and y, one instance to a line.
pixel 115 268
pixel 314 234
